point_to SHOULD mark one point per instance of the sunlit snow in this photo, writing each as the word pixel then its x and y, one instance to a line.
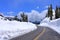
pixel 11 29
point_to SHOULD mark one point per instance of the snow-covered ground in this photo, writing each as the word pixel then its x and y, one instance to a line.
pixel 53 24
pixel 10 29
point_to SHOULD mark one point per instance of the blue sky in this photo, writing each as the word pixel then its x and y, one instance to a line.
pixel 15 6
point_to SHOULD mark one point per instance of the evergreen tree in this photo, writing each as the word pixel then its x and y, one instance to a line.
pixel 59 12
pixel 56 13
pixel 50 12
pixel 24 17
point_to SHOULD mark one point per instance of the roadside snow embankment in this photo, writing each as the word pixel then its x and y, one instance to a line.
pixel 11 29
pixel 53 24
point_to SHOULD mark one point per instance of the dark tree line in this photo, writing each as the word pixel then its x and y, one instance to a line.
pixel 24 18
pixel 50 12
pixel 15 18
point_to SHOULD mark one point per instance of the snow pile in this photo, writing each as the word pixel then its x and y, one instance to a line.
pixel 10 29
pixel 54 24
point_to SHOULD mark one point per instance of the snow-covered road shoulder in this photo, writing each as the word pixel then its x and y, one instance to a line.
pixel 11 29
pixel 53 24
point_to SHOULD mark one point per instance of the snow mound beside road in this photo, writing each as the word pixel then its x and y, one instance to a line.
pixel 53 24
pixel 11 29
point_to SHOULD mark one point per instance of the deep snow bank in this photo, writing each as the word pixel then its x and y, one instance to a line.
pixel 54 24
pixel 10 29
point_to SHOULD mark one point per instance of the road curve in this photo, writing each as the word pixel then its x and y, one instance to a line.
pixel 42 33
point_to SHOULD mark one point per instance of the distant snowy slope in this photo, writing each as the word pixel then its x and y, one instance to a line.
pixel 43 14
pixel 34 16
pixel 11 29
pixel 54 24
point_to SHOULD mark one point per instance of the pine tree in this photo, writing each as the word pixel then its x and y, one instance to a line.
pixel 56 13
pixel 59 12
pixel 24 17
pixel 50 12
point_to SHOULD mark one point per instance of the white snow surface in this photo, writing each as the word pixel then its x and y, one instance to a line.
pixel 11 29
pixel 53 24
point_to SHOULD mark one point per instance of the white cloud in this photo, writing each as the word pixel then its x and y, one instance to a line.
pixel 10 13
pixel 34 16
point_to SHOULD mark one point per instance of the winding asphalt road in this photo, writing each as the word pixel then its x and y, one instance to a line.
pixel 42 33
